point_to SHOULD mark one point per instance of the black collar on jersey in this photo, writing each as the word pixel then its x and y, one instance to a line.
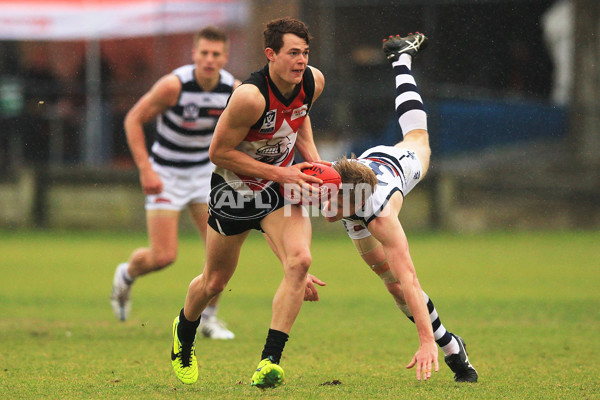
pixel 262 81
pixel 285 101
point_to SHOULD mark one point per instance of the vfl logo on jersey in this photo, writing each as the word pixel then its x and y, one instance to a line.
pixel 190 111
pixel 268 125
pixel 299 112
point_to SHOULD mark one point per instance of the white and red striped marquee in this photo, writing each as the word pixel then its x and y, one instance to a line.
pixel 110 19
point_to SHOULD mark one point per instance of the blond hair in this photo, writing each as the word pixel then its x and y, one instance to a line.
pixel 355 176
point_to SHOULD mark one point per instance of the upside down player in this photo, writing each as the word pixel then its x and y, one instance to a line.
pixel 372 222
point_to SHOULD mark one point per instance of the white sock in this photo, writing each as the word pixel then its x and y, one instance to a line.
pixel 409 104
pixel 125 274
pixel 209 311
pixel 451 348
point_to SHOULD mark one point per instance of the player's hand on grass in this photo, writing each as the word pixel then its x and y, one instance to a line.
pixel 426 360
pixel 151 182
pixel 310 292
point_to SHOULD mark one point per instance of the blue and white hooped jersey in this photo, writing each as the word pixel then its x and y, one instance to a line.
pixel 397 170
pixel 186 130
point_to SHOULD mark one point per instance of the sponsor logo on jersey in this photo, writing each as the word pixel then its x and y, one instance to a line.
pixel 268 125
pixel 215 112
pixel 299 112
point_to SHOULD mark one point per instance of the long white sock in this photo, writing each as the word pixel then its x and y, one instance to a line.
pixel 409 104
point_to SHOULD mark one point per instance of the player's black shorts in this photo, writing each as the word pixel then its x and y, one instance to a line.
pixel 231 213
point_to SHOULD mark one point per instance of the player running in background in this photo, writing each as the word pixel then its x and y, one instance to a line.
pixel 253 148
pixel 186 105
pixel 387 174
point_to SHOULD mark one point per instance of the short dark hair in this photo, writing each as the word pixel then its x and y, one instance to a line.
pixel 211 33
pixel 276 28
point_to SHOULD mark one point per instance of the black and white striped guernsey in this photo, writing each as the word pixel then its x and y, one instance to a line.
pixel 184 132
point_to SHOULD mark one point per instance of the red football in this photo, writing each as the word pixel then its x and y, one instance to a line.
pixel 325 173
pixel 330 186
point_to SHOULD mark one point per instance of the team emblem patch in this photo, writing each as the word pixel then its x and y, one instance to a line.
pixel 272 153
pixel 190 111
pixel 268 125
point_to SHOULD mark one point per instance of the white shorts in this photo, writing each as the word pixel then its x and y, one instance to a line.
pixel 181 187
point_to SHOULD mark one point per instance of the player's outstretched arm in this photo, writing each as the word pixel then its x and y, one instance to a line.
pixel 387 229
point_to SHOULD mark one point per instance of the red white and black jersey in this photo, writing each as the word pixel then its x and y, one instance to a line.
pixel 272 138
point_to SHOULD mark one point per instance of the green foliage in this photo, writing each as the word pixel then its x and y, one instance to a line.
pixel 526 304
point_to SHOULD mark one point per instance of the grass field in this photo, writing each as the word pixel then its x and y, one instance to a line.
pixel 527 305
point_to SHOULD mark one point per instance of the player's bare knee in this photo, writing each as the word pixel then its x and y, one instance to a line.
pixel 297 265
pixel 299 259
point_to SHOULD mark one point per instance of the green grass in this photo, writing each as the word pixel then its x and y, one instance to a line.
pixel 527 305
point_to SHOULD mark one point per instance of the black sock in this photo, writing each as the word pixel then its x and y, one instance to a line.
pixel 274 345
pixel 186 330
